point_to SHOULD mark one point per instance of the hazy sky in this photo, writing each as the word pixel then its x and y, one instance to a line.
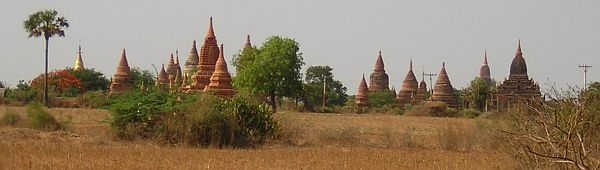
pixel 556 35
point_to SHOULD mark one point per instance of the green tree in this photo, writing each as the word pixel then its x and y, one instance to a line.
pixel 45 23
pixel 272 71
pixel 139 76
pixel 313 88
pixel 478 93
pixel 91 79
pixel 381 98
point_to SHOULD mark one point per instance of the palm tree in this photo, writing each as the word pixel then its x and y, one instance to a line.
pixel 45 23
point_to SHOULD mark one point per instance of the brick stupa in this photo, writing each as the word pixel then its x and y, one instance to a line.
pixel 178 72
pixel 191 63
pixel 121 81
pixel 379 80
pixel 410 86
pixel 79 61
pixel 518 87
pixel 443 91
pixel 171 70
pixel 362 98
pixel 220 81
pixel 163 77
pixel 484 71
pixel 209 53
pixel 421 91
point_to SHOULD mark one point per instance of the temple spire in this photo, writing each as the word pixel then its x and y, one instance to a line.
pixel 211 32
pixel 485 57
pixel 79 60
pixel 411 65
pixel 248 44
pixel 519 47
pixel 379 65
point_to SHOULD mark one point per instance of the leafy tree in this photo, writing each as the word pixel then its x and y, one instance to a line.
pixel 478 93
pixel 45 23
pixel 381 98
pixel 91 79
pixel 139 76
pixel 313 88
pixel 272 71
pixel 60 81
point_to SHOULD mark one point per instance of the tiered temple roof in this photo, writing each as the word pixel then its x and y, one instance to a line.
pixel 191 64
pixel 410 86
pixel 209 53
pixel 518 86
pixel 171 70
pixel 484 71
pixel 121 81
pixel 379 80
pixel 220 81
pixel 79 61
pixel 247 44
pixel 362 99
pixel 443 91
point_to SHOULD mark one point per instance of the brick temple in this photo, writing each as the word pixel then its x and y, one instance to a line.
pixel 409 89
pixel 121 81
pixel 362 99
pixel 484 71
pixel 443 91
pixel 518 87
pixel 220 80
pixel 379 80
pixel 209 53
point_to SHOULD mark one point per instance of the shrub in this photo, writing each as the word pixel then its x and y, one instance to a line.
pixel 22 94
pixel 381 98
pixel 201 119
pixel 41 119
pixel 436 109
pixel 10 118
pixel 91 79
pixel 94 99
pixel 470 113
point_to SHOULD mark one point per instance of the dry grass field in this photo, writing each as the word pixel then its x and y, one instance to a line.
pixel 307 141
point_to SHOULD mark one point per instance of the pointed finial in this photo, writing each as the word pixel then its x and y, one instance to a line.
pixel 444 64
pixel 194 44
pixel 379 52
pixel 485 61
pixel 211 32
pixel 176 57
pixel 519 47
pixel 248 39
pixel 411 65
pixel 123 61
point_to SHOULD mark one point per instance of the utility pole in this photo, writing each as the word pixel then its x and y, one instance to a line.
pixel 585 69
pixel 430 75
pixel 324 92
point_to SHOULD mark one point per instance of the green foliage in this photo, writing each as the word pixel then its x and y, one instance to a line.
pixel 91 79
pixel 435 109
pixel 201 119
pixel 45 23
pixel 41 119
pixel 273 70
pixel 10 118
pixel 470 113
pixel 478 93
pixel 313 88
pixel 381 98
pixel 136 114
pixel 22 94
pixel 94 99
pixel 139 77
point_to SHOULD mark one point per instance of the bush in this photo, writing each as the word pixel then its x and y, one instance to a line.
pixel 470 113
pixel 381 98
pixel 10 118
pixel 94 99
pixel 436 109
pixel 22 94
pixel 41 119
pixel 200 120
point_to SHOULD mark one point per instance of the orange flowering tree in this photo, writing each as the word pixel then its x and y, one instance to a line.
pixel 60 81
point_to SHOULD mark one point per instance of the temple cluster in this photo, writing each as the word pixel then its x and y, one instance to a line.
pixel 517 88
pixel 203 71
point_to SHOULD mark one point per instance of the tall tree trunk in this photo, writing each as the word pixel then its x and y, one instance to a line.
pixel 272 101
pixel 46 75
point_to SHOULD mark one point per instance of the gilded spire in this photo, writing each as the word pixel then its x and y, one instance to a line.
pixel 79 61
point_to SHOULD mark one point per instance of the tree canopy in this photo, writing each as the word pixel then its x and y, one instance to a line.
pixel 273 70
pixel 313 87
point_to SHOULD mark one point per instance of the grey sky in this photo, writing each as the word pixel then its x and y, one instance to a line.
pixel 556 36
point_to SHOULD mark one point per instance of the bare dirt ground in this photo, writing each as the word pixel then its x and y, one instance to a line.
pixel 309 141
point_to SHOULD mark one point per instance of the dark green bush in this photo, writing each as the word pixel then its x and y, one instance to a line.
pixel 41 119
pixel 201 119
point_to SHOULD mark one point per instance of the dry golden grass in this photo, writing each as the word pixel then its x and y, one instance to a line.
pixel 309 141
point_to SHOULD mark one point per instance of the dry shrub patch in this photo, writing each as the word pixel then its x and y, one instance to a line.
pixel 10 118
pixel 41 119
